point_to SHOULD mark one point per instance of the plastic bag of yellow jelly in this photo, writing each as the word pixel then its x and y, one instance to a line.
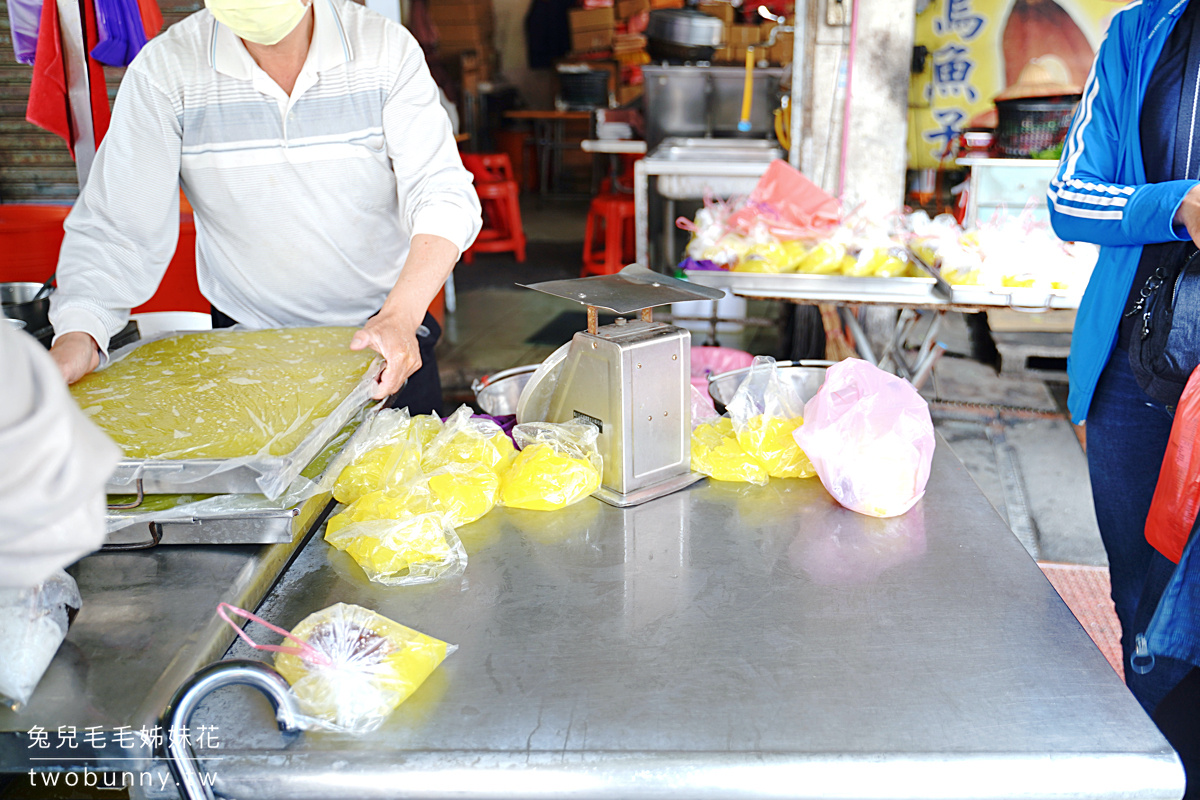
pixel 717 454
pixel 464 492
pixel 386 456
pixel 825 258
pixel 358 666
pixel 882 262
pixel 558 465
pixel 465 439
pixel 765 411
pixel 408 549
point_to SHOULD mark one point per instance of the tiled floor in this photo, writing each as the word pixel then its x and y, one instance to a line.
pixel 1085 590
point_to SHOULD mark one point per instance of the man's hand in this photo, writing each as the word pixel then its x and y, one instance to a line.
pixel 76 354
pixel 1188 213
pixel 395 339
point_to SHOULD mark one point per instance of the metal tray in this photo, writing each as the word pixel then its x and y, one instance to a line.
pixel 241 475
pixel 1016 298
pixel 824 288
pixel 256 520
pixel 265 526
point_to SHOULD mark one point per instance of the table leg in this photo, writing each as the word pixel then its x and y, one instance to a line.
pixel 641 216
pixel 861 342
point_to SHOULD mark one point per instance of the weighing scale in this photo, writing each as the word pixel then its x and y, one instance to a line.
pixel 631 379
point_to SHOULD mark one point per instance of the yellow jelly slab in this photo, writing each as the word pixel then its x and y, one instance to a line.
pixel 223 394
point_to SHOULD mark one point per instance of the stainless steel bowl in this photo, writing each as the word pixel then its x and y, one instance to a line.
pixel 16 302
pixel 15 324
pixel 498 394
pixel 806 376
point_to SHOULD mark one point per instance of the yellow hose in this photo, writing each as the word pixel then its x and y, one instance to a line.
pixel 783 127
pixel 748 91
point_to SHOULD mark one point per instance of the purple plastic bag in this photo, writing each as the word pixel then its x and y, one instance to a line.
pixel 23 18
pixel 122 34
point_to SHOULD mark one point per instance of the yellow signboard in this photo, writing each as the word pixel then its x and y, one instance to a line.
pixel 976 48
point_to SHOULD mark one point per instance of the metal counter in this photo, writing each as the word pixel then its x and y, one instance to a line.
pixel 146 625
pixel 728 641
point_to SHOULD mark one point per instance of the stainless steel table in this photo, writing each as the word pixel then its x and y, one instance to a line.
pixel 727 641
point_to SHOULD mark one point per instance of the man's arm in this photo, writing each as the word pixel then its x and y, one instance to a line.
pixel 124 228
pixel 393 331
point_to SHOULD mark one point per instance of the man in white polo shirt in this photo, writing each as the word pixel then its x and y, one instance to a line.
pixel 322 171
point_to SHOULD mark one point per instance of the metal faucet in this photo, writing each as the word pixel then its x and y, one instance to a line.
pixel 178 714
pixel 779 27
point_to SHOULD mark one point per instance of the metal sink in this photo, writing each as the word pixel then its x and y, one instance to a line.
pixel 691 167
pixel 679 148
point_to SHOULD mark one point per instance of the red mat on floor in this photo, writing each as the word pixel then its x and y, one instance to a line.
pixel 1086 592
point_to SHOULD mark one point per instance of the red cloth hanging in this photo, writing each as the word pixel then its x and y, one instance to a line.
pixel 49 107
pixel 152 18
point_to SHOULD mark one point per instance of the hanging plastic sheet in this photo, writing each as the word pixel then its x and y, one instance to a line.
pixel 23 16
pixel 122 34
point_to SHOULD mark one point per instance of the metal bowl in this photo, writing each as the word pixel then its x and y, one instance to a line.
pixel 15 324
pixel 16 303
pixel 807 376
pixel 498 394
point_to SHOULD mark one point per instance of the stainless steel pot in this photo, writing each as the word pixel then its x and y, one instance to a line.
pixel 681 34
pixel 17 303
pixel 805 376
pixel 497 394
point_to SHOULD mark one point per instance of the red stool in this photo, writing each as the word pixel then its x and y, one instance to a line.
pixel 608 238
pixel 488 167
pixel 502 230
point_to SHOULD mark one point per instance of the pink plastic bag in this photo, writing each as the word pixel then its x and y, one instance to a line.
pixel 791 206
pixel 870 437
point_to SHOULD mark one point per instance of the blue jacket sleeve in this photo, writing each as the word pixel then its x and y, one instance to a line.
pixel 1096 195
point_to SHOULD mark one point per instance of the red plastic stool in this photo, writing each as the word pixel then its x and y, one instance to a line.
pixel 608 238
pixel 488 167
pixel 502 230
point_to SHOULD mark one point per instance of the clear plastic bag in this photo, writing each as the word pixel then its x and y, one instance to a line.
pixel 351 667
pixel 469 439
pixel 559 464
pixel 214 401
pixel 407 550
pixel 387 455
pixel 766 410
pixel 717 453
pixel 33 623
pixel 870 437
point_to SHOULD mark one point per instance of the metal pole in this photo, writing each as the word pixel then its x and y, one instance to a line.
pixel 801 78
pixel 79 94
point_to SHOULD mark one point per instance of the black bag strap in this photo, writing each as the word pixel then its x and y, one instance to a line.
pixel 1187 148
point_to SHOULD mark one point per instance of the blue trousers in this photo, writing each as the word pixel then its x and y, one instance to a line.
pixel 1127 435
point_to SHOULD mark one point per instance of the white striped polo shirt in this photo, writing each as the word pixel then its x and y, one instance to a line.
pixel 304 205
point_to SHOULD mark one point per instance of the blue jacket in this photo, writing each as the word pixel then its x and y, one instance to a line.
pixel 1100 194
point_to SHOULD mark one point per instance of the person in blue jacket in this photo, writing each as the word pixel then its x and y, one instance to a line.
pixel 1129 180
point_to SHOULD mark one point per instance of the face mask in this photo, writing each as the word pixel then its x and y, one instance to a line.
pixel 259 21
